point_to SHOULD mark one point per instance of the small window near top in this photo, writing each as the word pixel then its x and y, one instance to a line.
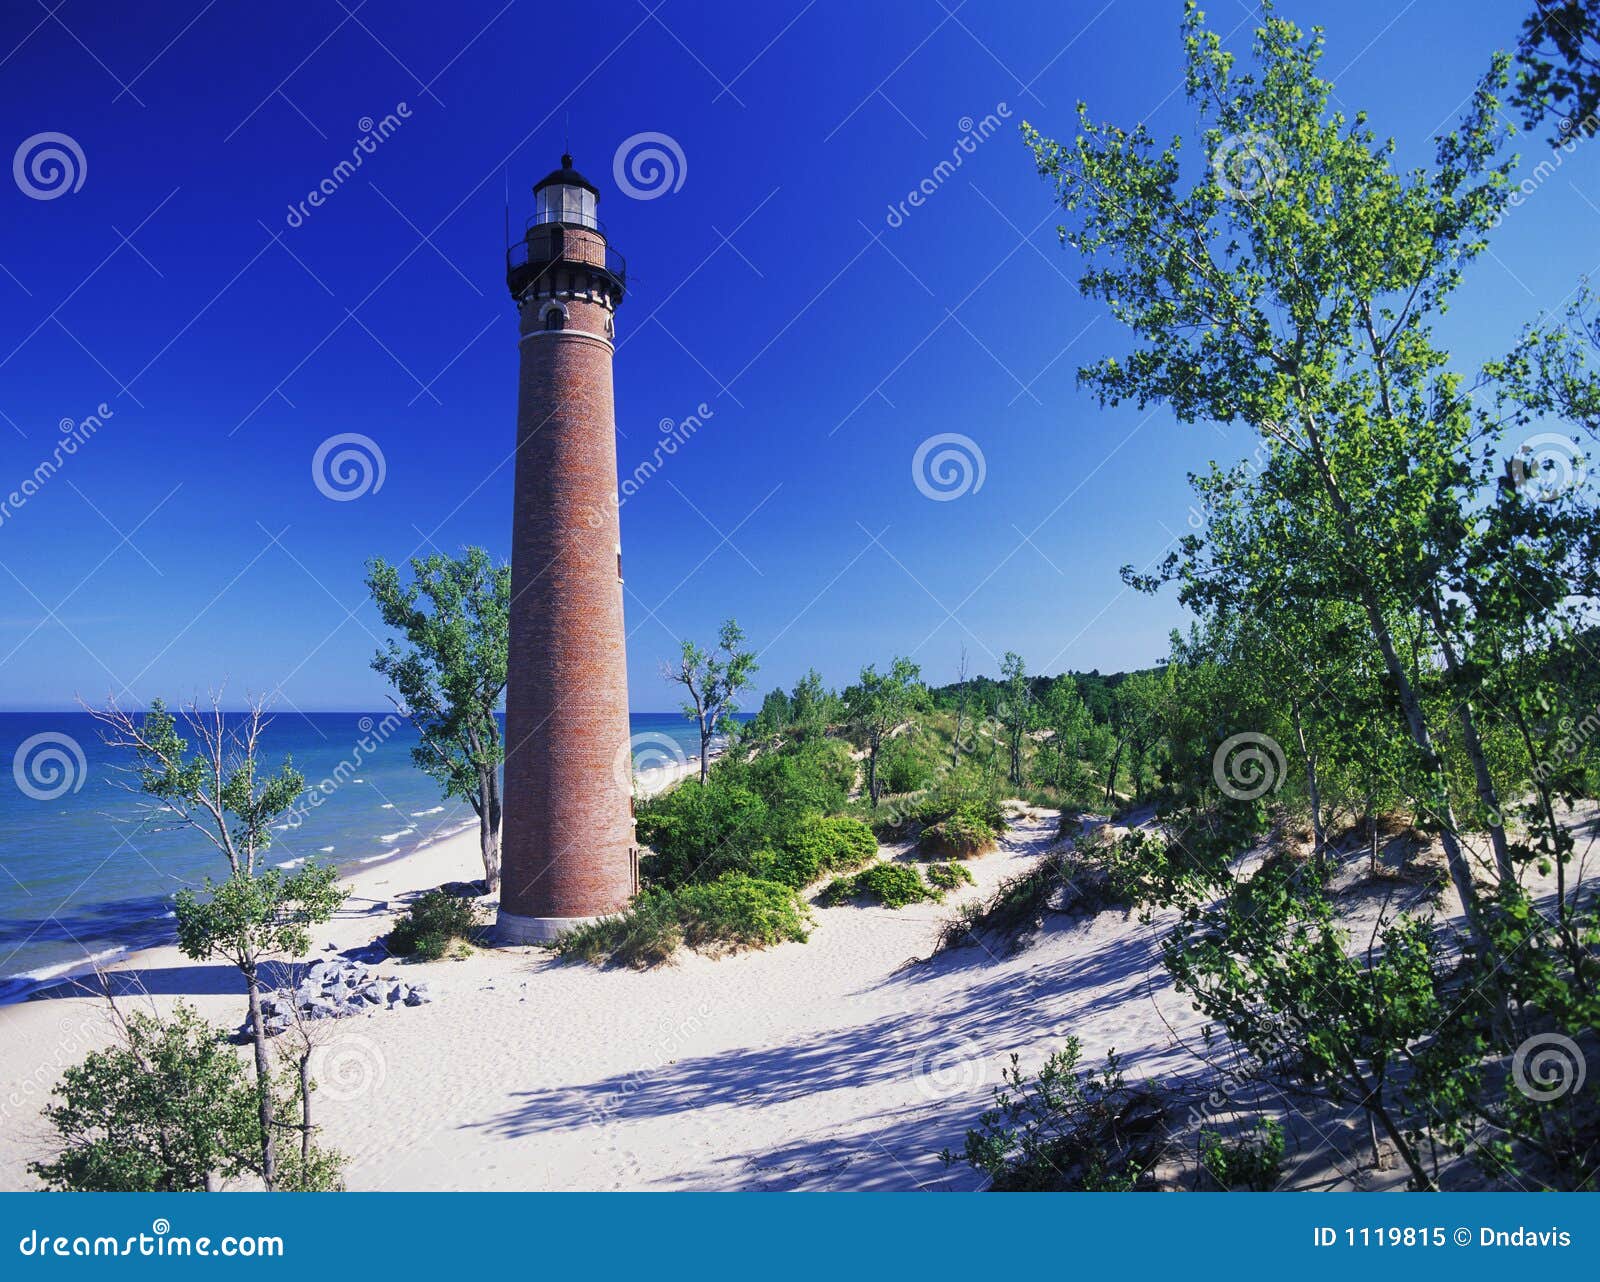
pixel 555 318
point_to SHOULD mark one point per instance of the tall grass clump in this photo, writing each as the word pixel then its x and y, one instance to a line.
pixel 731 913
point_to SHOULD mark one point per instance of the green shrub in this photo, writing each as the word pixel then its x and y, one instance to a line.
pixel 1066 1130
pixel 786 865
pixel 735 911
pixel 949 876
pixel 1252 1162
pixel 748 817
pixel 969 831
pixel 698 831
pixel 817 845
pixel 890 884
pixel 966 786
pixel 435 925
pixel 839 843
pixel 156 1114
pixel 814 777
pixel 907 763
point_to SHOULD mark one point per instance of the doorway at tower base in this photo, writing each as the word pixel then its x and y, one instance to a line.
pixel 511 928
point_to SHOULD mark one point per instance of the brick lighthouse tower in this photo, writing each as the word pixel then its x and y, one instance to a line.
pixel 569 851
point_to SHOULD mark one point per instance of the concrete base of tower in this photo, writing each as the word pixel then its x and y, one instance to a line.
pixel 510 928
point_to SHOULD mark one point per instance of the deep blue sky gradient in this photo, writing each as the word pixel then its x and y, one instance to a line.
pixel 827 344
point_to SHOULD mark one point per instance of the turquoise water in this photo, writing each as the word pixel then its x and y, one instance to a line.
pixel 85 873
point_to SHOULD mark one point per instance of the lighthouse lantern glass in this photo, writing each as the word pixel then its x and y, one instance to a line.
pixel 559 203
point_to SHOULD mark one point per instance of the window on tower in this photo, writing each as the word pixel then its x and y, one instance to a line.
pixel 555 318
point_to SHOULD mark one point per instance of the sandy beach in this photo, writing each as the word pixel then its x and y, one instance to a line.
pixel 832 1064
pixel 810 1066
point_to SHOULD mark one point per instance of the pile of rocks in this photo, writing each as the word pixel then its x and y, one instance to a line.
pixel 337 989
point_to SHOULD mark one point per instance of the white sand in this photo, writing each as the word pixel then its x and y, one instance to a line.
pixel 816 1065
pixel 824 1065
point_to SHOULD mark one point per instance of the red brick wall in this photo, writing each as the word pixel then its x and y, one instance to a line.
pixel 568 827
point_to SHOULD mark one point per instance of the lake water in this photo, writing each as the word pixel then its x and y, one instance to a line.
pixel 84 874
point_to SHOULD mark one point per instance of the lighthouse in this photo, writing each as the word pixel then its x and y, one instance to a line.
pixel 568 852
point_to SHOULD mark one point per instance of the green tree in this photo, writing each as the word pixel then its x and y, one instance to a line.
pixel 712 679
pixel 1291 286
pixel 879 703
pixel 813 706
pixel 451 674
pixel 221 793
pixel 1015 711
pixel 1560 57
pixel 963 697
pixel 775 715
pixel 1142 700
pixel 167 1109
pixel 1380 566
pixel 1060 760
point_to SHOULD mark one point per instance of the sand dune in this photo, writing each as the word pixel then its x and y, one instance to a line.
pixel 825 1065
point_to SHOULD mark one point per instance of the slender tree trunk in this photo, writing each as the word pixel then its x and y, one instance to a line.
pixel 1569 938
pixel 489 828
pixel 1111 773
pixel 1372 832
pixel 1417 724
pixel 872 767
pixel 705 749
pixel 266 1104
pixel 1487 795
pixel 961 708
pixel 305 1111
pixel 1319 838
pixel 1411 705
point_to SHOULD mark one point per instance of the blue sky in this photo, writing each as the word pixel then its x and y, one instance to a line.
pixel 186 545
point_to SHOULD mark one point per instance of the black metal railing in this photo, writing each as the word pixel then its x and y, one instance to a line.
pixel 546 245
